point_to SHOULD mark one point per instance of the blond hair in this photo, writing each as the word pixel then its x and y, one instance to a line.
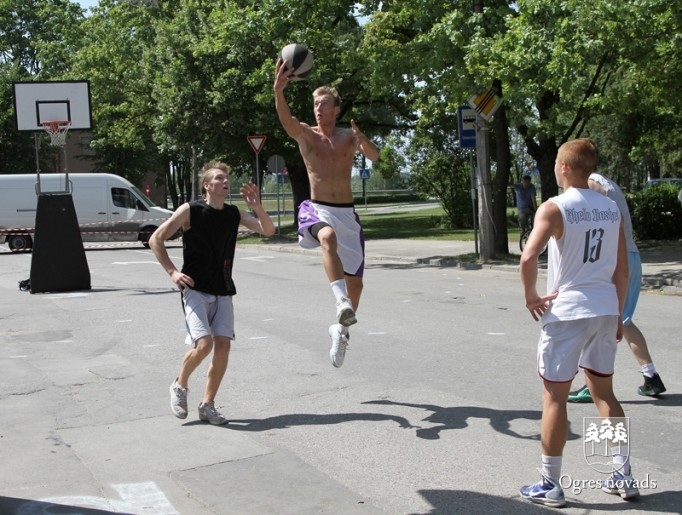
pixel 328 90
pixel 580 154
pixel 210 170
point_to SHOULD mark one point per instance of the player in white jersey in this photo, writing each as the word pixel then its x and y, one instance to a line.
pixel 653 384
pixel 587 283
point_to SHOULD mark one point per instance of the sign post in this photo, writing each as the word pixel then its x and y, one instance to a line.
pixel 364 175
pixel 485 106
pixel 466 125
pixel 277 167
pixel 257 143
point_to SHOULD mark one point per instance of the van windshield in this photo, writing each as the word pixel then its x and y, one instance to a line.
pixel 144 197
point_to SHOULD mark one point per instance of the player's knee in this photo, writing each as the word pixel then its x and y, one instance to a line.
pixel 222 346
pixel 327 237
pixel 204 346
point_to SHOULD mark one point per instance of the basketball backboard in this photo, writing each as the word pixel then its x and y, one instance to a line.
pixel 38 102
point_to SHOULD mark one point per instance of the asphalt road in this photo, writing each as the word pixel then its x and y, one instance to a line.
pixel 435 411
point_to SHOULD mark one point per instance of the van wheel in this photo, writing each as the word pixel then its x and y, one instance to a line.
pixel 144 236
pixel 20 243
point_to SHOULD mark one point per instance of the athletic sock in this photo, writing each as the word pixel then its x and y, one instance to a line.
pixel 621 458
pixel 649 370
pixel 551 467
pixel 339 288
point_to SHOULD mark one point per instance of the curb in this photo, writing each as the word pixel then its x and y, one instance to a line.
pixel 665 285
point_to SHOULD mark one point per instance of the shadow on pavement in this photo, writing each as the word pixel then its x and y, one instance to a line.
pixel 665 400
pixel 312 419
pixel 16 506
pixel 456 418
pixel 445 418
pixel 462 501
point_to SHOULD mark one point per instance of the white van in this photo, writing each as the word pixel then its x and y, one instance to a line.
pixel 108 207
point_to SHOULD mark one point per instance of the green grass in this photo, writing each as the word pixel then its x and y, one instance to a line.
pixel 415 225
pixel 424 224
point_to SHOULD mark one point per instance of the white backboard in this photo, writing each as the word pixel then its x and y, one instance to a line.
pixel 36 102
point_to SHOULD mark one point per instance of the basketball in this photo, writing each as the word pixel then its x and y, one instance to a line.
pixel 299 58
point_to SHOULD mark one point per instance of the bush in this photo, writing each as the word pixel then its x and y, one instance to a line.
pixel 657 213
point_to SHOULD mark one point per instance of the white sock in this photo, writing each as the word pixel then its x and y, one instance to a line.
pixel 649 370
pixel 551 467
pixel 339 288
pixel 621 458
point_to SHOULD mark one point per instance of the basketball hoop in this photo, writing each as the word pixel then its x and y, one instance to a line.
pixel 57 131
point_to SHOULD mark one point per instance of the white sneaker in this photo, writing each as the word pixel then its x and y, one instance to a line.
pixel 621 484
pixel 545 492
pixel 344 312
pixel 339 345
pixel 208 413
pixel 178 400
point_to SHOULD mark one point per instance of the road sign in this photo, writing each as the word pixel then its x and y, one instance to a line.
pixel 364 174
pixel 486 103
pixel 276 164
pixel 466 124
pixel 256 143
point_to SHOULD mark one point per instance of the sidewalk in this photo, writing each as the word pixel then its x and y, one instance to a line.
pixel 661 263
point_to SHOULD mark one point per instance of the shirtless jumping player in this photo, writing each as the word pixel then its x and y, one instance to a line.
pixel 329 219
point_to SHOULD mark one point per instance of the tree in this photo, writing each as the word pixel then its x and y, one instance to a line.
pixel 420 54
pixel 37 38
pixel 564 63
pixel 215 66
pixel 113 58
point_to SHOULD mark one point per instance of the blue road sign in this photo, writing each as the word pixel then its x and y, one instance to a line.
pixel 466 125
pixel 364 174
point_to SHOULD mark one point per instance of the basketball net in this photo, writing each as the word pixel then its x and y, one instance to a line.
pixel 57 131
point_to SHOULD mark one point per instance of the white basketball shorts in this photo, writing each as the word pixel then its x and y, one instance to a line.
pixel 587 343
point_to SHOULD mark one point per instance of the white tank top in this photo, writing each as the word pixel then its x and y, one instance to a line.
pixel 614 192
pixel 581 263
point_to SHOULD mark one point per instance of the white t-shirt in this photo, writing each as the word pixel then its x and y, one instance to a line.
pixel 581 263
pixel 614 192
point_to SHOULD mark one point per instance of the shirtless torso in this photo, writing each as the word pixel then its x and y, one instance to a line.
pixel 327 151
pixel 329 161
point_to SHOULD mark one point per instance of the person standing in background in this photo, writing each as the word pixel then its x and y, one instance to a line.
pixel 653 384
pixel 526 203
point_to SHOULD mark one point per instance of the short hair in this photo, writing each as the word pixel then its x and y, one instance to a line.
pixel 210 170
pixel 526 177
pixel 328 90
pixel 580 154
